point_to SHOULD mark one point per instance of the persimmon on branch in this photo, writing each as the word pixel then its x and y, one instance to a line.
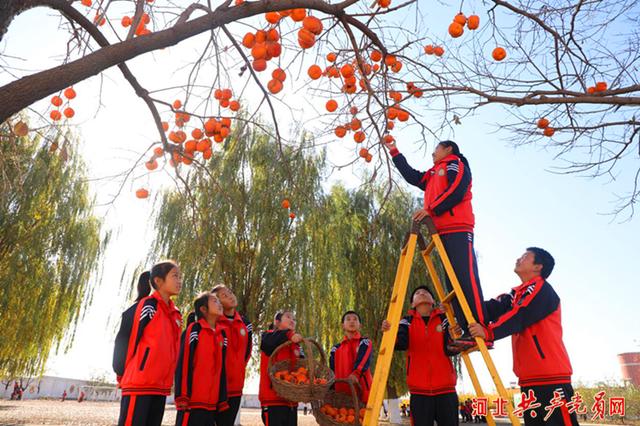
pixel 21 93
pixel 560 70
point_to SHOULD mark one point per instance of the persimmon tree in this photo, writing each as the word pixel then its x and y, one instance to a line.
pixel 559 73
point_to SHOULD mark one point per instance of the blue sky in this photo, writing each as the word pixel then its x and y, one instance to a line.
pixel 517 203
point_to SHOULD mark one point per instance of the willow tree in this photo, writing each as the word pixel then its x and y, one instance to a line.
pixel 228 224
pixel 340 252
pixel 362 235
pixel 49 248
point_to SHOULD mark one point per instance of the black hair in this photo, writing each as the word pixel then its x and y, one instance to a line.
pixel 422 287
pixel 147 279
pixel 216 288
pixel 544 258
pixel 455 150
pixel 350 313
pixel 277 317
pixel 201 300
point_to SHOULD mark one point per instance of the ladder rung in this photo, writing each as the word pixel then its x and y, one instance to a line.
pixel 449 297
pixel 430 248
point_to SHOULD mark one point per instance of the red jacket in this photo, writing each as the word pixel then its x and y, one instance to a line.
pixel 200 376
pixel 239 333
pixel 269 342
pixel 447 191
pixel 147 346
pixel 352 356
pixel 429 368
pixel 531 314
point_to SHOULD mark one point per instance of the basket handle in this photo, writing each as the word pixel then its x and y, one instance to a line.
pixel 356 400
pixel 312 363
pixel 278 349
pixel 308 346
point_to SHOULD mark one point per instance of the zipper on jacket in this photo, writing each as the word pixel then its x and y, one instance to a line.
pixel 144 359
pixel 535 340
pixel 451 212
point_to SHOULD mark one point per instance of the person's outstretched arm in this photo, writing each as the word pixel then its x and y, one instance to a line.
pixel 411 175
pixel 498 306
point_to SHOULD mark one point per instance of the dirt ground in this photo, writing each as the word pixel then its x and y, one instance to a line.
pixel 46 412
pixel 50 412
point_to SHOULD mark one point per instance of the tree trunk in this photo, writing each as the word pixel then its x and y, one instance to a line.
pixel 9 9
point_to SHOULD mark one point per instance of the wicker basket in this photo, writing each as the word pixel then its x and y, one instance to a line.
pixel 302 392
pixel 338 399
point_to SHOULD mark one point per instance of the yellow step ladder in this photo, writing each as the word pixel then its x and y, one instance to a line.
pixel 385 354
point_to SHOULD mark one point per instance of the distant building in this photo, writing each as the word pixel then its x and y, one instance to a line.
pixel 630 366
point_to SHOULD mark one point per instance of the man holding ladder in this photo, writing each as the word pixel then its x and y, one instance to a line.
pixel 530 313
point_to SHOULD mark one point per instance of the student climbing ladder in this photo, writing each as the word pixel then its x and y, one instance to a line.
pixel 447 199
pixel 383 362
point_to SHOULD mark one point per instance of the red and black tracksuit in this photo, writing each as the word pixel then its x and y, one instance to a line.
pixel 276 410
pixel 447 198
pixel 353 356
pixel 145 358
pixel 531 315
pixel 201 383
pixel 430 374
pixel 239 333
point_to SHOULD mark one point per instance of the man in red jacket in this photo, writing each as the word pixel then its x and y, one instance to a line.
pixel 351 358
pixel 530 313
pixel 239 332
pixel 430 373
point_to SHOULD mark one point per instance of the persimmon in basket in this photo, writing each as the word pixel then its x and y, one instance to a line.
pixel 298 377
pixel 341 414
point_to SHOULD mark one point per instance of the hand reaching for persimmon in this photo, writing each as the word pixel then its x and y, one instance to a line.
pixel 389 144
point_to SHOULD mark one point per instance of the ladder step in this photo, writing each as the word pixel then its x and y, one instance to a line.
pixel 449 297
pixel 430 248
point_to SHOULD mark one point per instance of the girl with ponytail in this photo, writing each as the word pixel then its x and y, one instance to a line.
pixel 201 383
pixel 447 199
pixel 146 347
pixel 276 410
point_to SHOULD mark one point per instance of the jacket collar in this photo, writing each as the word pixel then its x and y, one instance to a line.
pixel 434 312
pixel 156 295
pixel 171 307
pixel 357 337
pixel 445 160
pixel 236 317
pixel 532 281
pixel 451 157
pixel 204 324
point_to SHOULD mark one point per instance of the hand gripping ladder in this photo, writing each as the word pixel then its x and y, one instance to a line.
pixel 383 363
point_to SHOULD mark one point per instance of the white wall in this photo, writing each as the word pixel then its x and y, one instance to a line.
pixel 46 387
